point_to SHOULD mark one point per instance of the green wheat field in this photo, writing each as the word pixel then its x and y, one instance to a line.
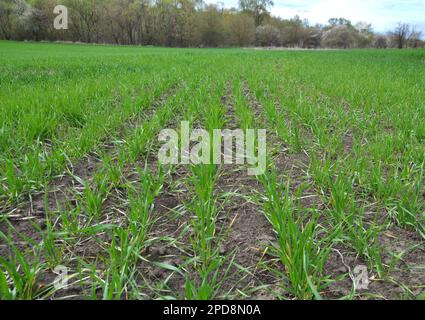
pixel 339 213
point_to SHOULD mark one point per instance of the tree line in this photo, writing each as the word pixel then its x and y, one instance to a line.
pixel 189 23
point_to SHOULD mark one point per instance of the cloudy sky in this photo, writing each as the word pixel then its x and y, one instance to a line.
pixel 383 14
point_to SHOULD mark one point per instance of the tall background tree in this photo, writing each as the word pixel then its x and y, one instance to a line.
pixel 401 35
pixel 259 9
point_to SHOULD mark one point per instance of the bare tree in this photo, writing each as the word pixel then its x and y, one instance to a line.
pixel 241 29
pixel 340 36
pixel 86 18
pixel 210 25
pixel 267 36
pixel 401 35
pixel 8 16
pixel 380 42
pixel 414 40
pixel 257 8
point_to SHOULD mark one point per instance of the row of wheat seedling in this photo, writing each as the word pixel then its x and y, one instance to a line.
pixel 80 126
pixel 87 218
pixel 345 210
pixel 141 204
pixel 205 206
pixel 388 150
pixel 351 212
pixel 299 248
